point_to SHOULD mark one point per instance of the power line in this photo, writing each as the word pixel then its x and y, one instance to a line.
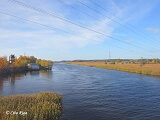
pixel 66 31
pixel 118 17
pixel 110 18
pixel 94 17
pixel 69 21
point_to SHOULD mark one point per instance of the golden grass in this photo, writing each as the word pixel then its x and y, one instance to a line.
pixel 39 106
pixel 147 69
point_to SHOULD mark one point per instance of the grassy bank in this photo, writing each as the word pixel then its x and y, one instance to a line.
pixel 40 106
pixel 147 69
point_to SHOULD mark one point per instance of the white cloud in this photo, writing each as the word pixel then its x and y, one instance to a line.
pixel 128 41
pixel 153 30
pixel 48 38
pixel 25 35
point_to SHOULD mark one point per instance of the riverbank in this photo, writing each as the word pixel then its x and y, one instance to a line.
pixel 147 69
pixel 39 106
pixel 20 70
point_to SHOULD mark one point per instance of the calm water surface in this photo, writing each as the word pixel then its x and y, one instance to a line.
pixel 91 93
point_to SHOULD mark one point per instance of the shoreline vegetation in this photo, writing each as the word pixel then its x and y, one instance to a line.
pixel 37 106
pixel 20 64
pixel 145 69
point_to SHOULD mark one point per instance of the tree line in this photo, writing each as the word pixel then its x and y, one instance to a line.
pixel 22 61
pixel 136 61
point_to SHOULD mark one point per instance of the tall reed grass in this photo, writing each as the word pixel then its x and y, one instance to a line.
pixel 39 106
pixel 147 69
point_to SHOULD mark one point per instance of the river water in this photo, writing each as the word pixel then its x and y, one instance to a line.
pixel 92 93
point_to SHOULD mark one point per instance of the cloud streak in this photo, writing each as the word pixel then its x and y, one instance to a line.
pixel 153 30
pixel 21 34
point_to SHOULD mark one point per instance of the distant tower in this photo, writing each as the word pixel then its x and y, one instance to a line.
pixel 12 59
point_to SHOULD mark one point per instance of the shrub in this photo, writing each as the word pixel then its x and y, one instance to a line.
pixel 40 106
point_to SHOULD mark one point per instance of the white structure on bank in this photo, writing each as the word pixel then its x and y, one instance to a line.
pixel 33 66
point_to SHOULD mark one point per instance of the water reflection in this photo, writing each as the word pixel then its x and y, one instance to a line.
pixel 47 74
pixel 12 78
pixel 34 73
pixel 1 85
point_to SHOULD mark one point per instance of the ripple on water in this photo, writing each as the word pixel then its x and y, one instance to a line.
pixel 92 93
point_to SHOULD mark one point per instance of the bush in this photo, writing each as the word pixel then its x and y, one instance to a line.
pixel 40 106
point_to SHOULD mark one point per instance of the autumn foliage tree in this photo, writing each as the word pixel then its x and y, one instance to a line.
pixel 23 60
pixel 155 61
pixel 44 63
pixel 3 62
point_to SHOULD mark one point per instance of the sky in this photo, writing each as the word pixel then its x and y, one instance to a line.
pixel 124 28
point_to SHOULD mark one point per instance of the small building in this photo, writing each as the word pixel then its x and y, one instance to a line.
pixel 124 62
pixel 33 66
pixel 110 62
pixel 12 59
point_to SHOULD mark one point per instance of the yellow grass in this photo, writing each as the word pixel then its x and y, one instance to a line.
pixel 40 106
pixel 147 69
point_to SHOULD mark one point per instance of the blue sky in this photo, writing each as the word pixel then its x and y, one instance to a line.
pixel 21 37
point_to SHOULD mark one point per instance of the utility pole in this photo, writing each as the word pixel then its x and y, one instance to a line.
pixel 108 60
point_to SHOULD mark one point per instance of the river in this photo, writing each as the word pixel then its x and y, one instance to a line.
pixel 91 93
